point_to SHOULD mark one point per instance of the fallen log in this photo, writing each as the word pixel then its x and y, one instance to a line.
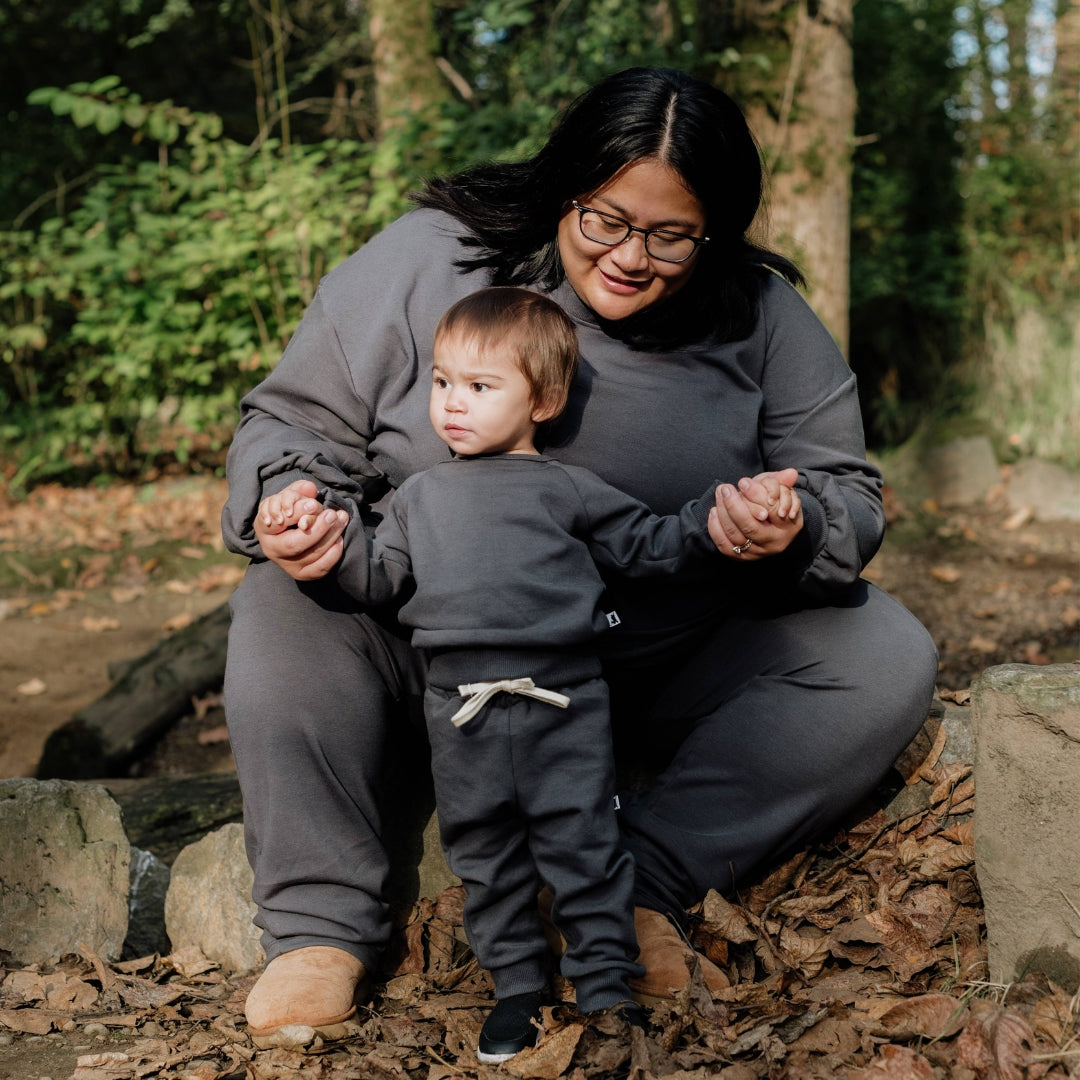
pixel 154 691
pixel 163 815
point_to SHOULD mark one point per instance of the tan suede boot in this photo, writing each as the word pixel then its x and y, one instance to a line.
pixel 304 993
pixel 664 952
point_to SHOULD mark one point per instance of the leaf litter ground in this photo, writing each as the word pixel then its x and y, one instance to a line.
pixel 863 957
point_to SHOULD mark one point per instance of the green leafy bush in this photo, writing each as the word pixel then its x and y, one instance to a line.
pixel 170 288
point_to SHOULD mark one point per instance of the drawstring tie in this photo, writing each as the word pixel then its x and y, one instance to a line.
pixel 478 694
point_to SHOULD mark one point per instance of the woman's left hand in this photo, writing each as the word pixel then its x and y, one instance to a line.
pixel 759 517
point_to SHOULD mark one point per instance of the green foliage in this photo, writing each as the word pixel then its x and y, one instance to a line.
pixel 1021 220
pixel 167 224
pixel 171 288
pixel 525 60
pixel 45 164
pixel 134 318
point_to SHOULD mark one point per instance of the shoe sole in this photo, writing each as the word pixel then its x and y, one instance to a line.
pixel 297 1036
pixel 495 1059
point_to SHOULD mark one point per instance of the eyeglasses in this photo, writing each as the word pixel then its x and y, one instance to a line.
pixel 660 244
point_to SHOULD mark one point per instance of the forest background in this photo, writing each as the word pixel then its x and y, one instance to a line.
pixel 176 175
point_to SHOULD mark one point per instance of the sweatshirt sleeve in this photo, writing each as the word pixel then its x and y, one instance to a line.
pixel 304 421
pixel 346 401
pixel 811 422
pixel 376 570
pixel 625 536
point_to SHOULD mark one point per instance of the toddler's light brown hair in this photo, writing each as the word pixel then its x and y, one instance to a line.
pixel 540 334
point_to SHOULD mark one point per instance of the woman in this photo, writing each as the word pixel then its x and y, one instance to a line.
pixel 777 685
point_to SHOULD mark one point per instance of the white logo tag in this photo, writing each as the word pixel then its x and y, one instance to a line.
pixel 612 618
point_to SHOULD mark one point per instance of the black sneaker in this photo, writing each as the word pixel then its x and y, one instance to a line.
pixel 630 1012
pixel 509 1028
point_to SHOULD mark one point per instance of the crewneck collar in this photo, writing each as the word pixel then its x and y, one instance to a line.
pixel 500 456
pixel 573 305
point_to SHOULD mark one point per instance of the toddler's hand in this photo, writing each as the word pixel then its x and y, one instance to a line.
pixel 294 507
pixel 772 495
pixel 295 532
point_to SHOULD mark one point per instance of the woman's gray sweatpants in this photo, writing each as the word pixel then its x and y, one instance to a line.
pixel 774 725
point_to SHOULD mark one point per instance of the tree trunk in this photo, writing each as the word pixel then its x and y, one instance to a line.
pixel 1065 124
pixel 794 78
pixel 409 90
pixel 408 83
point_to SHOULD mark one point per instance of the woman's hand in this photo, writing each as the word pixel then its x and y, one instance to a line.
pixel 759 517
pixel 296 533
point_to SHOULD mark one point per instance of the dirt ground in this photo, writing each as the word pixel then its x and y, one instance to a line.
pixel 94 577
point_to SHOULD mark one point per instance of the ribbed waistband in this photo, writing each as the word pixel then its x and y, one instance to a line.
pixel 449 667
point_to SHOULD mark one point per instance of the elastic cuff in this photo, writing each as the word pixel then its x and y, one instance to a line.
pixel 525 977
pixel 602 989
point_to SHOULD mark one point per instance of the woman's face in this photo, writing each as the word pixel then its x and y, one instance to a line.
pixel 620 281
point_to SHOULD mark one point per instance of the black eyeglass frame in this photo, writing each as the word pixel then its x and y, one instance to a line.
pixel 697 241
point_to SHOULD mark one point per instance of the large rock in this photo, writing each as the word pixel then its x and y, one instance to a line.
pixel 1049 491
pixel 1027 821
pixel 209 903
pixel 961 472
pixel 64 878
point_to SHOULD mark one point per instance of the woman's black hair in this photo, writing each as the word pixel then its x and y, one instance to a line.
pixel 512 210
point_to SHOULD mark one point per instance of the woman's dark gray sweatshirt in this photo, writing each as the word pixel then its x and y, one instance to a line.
pixel 347 406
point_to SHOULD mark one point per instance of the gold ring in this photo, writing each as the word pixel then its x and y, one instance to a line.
pixel 742 547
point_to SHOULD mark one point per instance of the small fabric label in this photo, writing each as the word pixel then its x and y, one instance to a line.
pixel 612 618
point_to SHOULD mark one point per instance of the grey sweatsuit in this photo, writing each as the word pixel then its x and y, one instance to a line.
pixel 495 557
pixel 770 695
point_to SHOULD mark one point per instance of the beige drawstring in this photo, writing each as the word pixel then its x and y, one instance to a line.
pixel 478 694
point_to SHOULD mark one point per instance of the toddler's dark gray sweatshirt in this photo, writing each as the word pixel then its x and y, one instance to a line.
pixel 503 551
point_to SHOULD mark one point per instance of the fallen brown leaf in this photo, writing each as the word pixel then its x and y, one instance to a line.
pixel 960 832
pixel 896 1063
pixel 189 962
pixel 928 1016
pixel 221 575
pixel 212 736
pixel 805 951
pixel 1061 587
pixel 946 574
pixel 1018 519
pixel 551 1056
pixel 922 752
pixel 1033 653
pixel 958 697
pixel 29 1021
pixel 800 906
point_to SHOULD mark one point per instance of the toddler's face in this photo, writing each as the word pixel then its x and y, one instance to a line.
pixel 480 402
